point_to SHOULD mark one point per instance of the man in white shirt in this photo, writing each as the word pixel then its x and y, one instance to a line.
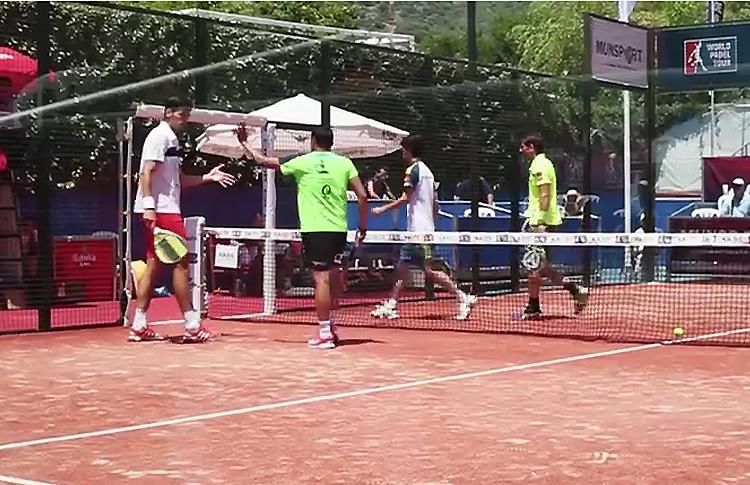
pixel 419 195
pixel 736 202
pixel 158 201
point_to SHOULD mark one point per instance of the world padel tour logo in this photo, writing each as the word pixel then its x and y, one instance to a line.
pixel 713 55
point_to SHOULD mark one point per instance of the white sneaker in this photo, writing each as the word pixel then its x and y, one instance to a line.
pixel 385 310
pixel 465 304
pixel 322 340
pixel 192 321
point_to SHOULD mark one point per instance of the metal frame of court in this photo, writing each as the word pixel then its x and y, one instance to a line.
pixel 206 117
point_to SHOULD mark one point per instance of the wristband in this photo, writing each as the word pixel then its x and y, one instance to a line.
pixel 148 203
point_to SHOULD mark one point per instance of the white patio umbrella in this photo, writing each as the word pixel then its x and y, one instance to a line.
pixel 354 135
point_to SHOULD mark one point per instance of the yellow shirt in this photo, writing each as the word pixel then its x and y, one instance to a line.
pixel 542 172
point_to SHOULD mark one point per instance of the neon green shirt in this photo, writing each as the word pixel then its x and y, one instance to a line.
pixel 322 180
pixel 541 172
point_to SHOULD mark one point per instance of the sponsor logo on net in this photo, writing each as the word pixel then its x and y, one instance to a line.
pixel 622 239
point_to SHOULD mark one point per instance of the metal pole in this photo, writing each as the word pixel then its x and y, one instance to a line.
pixel 268 135
pixel 128 203
pixel 122 269
pixel 471 38
pixel 626 174
pixel 711 93
pixel 649 255
pixel 43 179
pixel 626 170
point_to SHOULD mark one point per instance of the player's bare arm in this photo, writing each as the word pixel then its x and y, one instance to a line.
pixel 355 184
pixel 149 204
pixel 544 197
pixel 377 211
pixel 269 162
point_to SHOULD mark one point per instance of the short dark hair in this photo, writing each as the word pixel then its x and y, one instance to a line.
pixel 535 140
pixel 323 137
pixel 175 103
pixel 415 145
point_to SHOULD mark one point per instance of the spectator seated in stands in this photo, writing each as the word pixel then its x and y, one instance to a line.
pixel 736 202
pixel 574 202
pixel 377 187
pixel 463 191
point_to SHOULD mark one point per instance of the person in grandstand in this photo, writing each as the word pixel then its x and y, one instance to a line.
pixel 464 191
pixel 158 201
pixel 419 195
pixel 736 202
pixel 322 178
pixel 377 186
pixel 543 215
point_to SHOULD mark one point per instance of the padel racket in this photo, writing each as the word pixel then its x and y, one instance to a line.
pixel 168 246
pixel 534 257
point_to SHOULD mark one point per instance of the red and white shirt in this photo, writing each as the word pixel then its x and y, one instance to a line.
pixel 162 146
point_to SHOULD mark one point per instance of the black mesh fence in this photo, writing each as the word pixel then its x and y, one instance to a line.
pixel 65 168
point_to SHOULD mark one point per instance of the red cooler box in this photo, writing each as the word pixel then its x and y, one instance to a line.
pixel 85 268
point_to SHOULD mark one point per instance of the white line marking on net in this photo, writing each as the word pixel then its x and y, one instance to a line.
pixel 361 392
pixel 21 481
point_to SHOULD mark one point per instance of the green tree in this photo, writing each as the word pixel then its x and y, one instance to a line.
pixel 495 43
pixel 550 39
pixel 333 14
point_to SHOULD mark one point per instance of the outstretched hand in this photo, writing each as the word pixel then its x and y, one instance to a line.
pixel 222 178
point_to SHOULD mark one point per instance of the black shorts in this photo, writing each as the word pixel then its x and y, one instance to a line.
pixel 323 250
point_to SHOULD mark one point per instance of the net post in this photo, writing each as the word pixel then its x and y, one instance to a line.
pixel 194 227
pixel 268 134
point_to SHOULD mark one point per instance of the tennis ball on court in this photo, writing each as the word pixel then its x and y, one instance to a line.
pixel 679 331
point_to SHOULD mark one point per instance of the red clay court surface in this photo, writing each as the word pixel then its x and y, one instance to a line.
pixel 381 409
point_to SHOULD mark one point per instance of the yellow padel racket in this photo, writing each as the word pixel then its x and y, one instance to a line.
pixel 168 246
pixel 534 257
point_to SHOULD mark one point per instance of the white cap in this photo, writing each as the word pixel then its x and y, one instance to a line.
pixel 571 192
pixel 738 181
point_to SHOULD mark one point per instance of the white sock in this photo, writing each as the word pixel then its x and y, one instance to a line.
pixel 325 329
pixel 192 320
pixel 139 320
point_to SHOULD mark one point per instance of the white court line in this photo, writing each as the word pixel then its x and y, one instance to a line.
pixel 20 481
pixel 360 392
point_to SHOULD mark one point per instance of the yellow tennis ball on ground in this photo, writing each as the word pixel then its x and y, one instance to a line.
pixel 679 331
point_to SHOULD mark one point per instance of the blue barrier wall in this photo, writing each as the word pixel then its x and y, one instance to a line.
pixel 86 210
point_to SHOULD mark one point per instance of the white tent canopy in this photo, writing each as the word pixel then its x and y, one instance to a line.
pixel 203 116
pixel 680 150
pixel 354 135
